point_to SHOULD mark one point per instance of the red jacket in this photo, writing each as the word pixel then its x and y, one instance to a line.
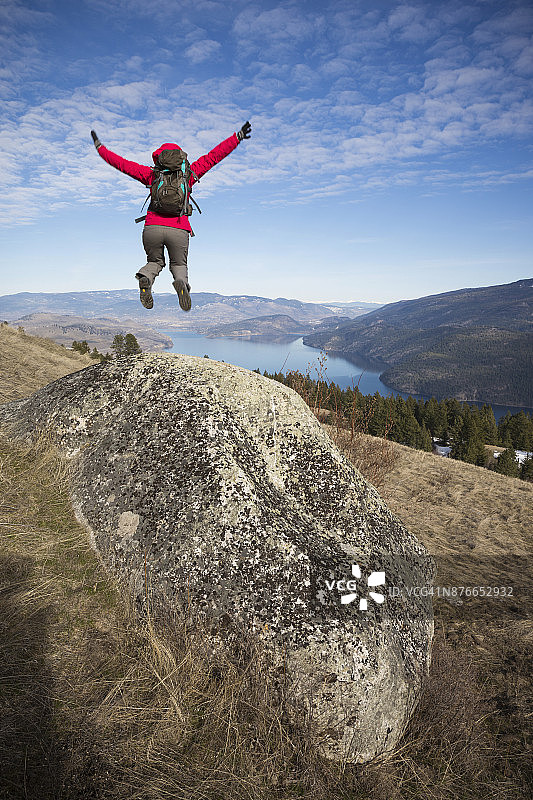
pixel 144 174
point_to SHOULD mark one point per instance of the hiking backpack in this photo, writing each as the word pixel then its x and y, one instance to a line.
pixel 170 193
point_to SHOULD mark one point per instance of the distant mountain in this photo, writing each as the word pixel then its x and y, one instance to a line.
pixel 272 325
pixel 355 307
pixel 208 309
pixel 473 344
pixel 508 306
pixel 99 333
pixel 331 323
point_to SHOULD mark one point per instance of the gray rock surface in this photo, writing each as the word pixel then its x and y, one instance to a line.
pixel 226 486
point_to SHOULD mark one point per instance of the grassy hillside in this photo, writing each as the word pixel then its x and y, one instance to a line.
pixel 96 702
pixel 28 362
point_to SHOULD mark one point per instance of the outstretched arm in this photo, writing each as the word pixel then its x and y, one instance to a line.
pixel 205 163
pixel 131 168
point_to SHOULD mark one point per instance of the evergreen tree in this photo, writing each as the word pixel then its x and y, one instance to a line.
pixel 489 429
pixel 377 415
pixel 503 430
pixel 411 405
pixel 81 347
pixel 131 345
pixel 467 443
pixel 429 416
pixel 506 463
pixel 520 429
pixel 478 453
pixel 425 441
pixel 526 470
pixel 441 423
pixel 399 416
pixel 454 411
pixel 419 412
pixel 118 345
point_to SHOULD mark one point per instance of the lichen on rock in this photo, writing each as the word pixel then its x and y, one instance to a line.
pixel 224 487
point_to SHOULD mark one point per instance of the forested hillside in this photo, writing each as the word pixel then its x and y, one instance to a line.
pixel 473 344
pixel 470 432
pixel 486 364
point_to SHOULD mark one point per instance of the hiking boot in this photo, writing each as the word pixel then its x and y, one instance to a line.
pixel 146 292
pixel 183 290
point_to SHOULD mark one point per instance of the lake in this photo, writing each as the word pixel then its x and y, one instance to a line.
pixel 292 354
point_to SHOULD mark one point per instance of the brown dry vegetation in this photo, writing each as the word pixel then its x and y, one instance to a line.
pixel 478 526
pixel 96 702
pixel 29 362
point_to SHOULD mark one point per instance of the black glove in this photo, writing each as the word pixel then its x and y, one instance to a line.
pixel 244 132
pixel 96 140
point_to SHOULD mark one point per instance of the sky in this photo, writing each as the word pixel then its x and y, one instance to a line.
pixel 391 154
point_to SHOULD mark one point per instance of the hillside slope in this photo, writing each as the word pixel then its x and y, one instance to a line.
pixel 97 332
pixel 473 344
pixel 29 362
pixel 508 306
pixel 272 325
pixel 74 658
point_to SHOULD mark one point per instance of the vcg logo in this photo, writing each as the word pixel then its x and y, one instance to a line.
pixel 350 586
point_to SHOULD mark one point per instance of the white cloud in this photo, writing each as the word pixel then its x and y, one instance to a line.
pixel 413 23
pixel 501 25
pixel 280 23
pixel 132 96
pixel 524 60
pixel 334 93
pixel 13 12
pixel 204 50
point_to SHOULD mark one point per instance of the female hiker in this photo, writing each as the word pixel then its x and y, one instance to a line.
pixel 167 219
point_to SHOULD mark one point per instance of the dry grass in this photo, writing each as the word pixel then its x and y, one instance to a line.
pixel 28 362
pixel 471 736
pixel 99 703
pixel 375 458
pixel 476 523
pixel 96 702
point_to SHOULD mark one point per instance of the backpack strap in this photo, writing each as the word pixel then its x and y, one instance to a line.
pixel 191 198
pixel 140 219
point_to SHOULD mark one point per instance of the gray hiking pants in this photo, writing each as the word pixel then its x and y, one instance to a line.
pixel 176 241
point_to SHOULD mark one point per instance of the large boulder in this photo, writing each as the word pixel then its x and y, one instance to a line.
pixel 223 485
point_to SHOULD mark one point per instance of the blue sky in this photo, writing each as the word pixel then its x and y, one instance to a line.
pixel 391 154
